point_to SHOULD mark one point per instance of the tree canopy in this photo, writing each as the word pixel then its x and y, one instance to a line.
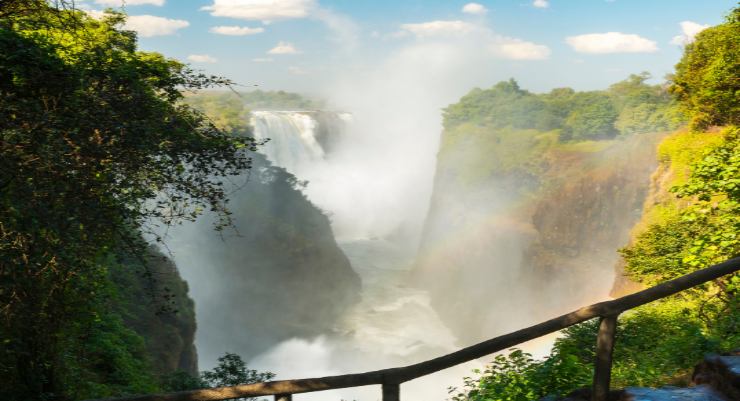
pixel 707 79
pixel 628 107
pixel 95 144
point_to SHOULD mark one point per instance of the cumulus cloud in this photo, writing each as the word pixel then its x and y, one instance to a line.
pixel 611 42
pixel 119 3
pixel 150 25
pixel 236 30
pixel 474 8
pixel 498 45
pixel 439 28
pixel 517 49
pixel 202 58
pixel 283 48
pixel 263 10
pixel 689 29
pixel 541 3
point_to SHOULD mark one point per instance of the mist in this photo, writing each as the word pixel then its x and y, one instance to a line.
pixel 432 280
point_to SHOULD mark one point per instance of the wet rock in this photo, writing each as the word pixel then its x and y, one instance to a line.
pixel 721 372
pixel 701 392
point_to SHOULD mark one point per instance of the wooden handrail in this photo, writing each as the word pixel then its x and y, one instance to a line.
pixel 393 377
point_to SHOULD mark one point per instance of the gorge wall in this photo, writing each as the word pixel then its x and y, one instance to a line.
pixel 278 274
pixel 531 204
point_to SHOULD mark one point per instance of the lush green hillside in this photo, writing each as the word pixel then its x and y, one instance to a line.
pixel 690 220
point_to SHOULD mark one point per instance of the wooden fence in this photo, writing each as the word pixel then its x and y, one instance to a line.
pixel 391 379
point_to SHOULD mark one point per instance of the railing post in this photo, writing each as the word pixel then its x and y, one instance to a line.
pixel 283 397
pixel 391 392
pixel 603 365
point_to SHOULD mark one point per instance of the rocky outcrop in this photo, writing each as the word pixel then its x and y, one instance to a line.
pixel 278 274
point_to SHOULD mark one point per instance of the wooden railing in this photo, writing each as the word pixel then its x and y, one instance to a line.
pixel 391 379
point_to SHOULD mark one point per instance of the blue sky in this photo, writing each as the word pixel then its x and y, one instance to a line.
pixel 305 45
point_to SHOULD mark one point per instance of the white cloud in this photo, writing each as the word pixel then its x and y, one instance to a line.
pixel 262 60
pixel 476 35
pixel 150 25
pixel 689 30
pixel 439 28
pixel 283 48
pixel 96 14
pixel 517 49
pixel 541 3
pixel 475 9
pixel 611 42
pixel 236 30
pixel 297 70
pixel 202 58
pixel 264 10
pixel 120 3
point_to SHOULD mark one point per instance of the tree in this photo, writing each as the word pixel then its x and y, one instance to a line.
pixel 94 145
pixel 592 118
pixel 706 79
pixel 232 371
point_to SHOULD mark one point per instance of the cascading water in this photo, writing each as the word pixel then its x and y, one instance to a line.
pixel 298 139
pixel 392 325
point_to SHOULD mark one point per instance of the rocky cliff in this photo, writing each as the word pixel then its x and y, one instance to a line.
pixel 527 227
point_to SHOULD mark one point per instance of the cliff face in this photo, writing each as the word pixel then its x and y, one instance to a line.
pixel 519 238
pixel 155 303
pixel 279 274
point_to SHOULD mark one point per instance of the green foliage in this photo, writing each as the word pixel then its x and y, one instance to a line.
pixel 705 230
pixel 226 109
pixel 282 100
pixel 230 371
pixel 504 105
pixel 706 79
pixel 519 377
pixel 592 118
pixel 655 344
pixel 628 107
pixel 702 232
pixel 94 144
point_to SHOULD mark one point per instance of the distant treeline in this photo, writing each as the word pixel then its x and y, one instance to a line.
pixel 628 107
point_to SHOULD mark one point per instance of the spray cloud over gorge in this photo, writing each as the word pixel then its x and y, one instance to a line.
pixel 432 280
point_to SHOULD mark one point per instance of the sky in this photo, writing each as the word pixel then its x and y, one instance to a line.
pixel 307 45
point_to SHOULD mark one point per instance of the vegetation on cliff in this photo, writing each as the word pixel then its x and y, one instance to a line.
pixel 230 110
pixel 691 220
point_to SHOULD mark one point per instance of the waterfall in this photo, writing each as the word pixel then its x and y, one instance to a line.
pixel 298 140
